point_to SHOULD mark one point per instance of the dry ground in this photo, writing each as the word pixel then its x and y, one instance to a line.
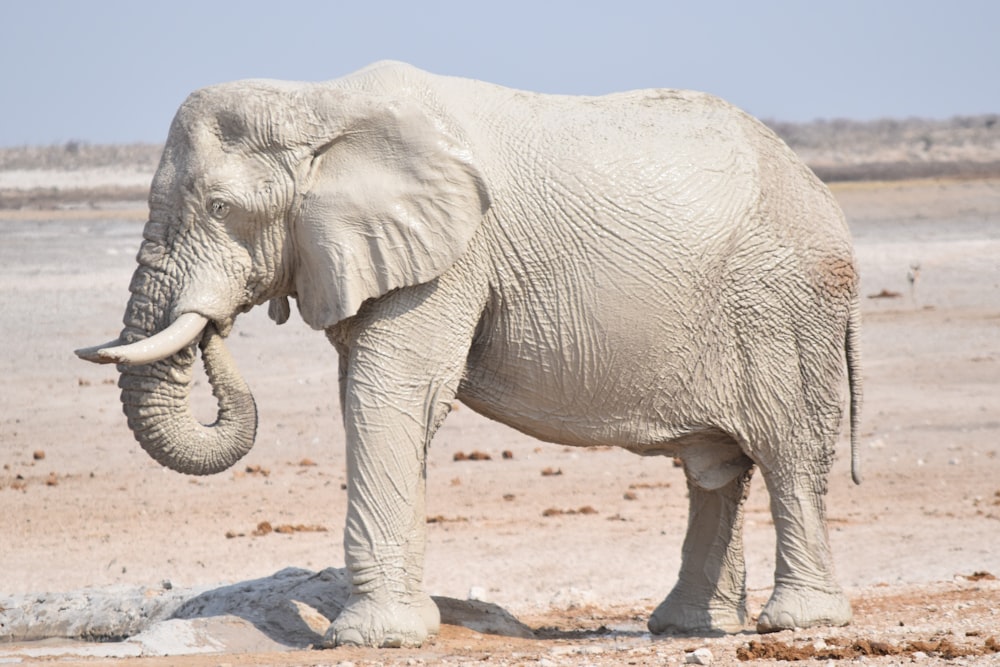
pixel 916 545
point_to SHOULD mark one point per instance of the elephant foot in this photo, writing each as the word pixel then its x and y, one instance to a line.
pixel 686 615
pixel 799 607
pixel 376 621
pixel 428 612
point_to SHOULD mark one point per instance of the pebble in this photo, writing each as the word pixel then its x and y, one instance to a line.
pixel 700 656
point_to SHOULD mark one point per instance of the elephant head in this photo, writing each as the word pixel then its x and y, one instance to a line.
pixel 266 190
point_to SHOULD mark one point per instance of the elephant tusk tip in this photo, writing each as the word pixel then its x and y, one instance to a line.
pixel 184 330
pixel 98 355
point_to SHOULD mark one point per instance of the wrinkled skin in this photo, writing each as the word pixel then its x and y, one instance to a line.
pixel 654 270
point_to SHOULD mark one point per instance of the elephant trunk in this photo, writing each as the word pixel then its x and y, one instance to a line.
pixel 156 396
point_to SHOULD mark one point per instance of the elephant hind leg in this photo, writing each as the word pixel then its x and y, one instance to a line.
pixel 710 593
pixel 806 593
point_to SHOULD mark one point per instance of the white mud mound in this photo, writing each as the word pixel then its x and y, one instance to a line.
pixel 288 610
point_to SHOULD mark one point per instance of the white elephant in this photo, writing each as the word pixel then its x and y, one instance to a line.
pixel 654 270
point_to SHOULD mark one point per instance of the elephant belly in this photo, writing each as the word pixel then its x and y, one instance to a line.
pixel 616 384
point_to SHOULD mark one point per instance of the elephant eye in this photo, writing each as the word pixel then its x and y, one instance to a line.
pixel 218 209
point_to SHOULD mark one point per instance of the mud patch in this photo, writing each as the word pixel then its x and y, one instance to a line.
pixel 841 649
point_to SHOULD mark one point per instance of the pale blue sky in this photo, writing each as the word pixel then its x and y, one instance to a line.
pixel 115 71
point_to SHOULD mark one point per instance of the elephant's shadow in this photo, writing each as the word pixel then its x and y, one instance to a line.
pixel 293 607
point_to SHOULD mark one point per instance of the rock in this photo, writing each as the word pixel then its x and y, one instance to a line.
pixel 63 651
pixel 294 621
pixel 483 617
pixel 291 609
pixel 176 637
pixel 105 615
pixel 700 656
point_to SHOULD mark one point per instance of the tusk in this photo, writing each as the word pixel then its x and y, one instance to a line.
pixel 177 336
pixel 91 353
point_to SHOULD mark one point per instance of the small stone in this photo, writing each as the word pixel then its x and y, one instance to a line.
pixel 292 615
pixel 38 455
pixel 700 656
pixel 477 593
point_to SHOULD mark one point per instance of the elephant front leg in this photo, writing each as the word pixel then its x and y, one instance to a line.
pixel 419 599
pixel 710 594
pixel 384 545
pixel 394 395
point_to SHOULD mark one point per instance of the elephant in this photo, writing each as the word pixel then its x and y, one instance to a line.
pixel 653 269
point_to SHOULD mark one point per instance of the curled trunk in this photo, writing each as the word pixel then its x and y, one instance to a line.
pixel 156 396
pixel 156 400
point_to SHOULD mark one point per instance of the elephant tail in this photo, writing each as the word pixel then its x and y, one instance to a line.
pixel 852 346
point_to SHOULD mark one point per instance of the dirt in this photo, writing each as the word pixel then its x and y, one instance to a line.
pixel 579 544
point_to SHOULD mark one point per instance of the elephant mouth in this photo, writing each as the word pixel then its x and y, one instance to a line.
pixel 185 330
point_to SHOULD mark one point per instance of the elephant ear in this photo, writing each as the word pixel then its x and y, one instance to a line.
pixel 391 199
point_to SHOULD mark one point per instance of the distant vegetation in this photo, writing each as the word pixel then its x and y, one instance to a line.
pixel 890 149
pixel 81 155
pixel 837 150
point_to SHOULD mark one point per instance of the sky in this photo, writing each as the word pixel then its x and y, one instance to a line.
pixel 103 71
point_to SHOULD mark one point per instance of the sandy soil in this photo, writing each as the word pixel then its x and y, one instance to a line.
pixel 916 545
